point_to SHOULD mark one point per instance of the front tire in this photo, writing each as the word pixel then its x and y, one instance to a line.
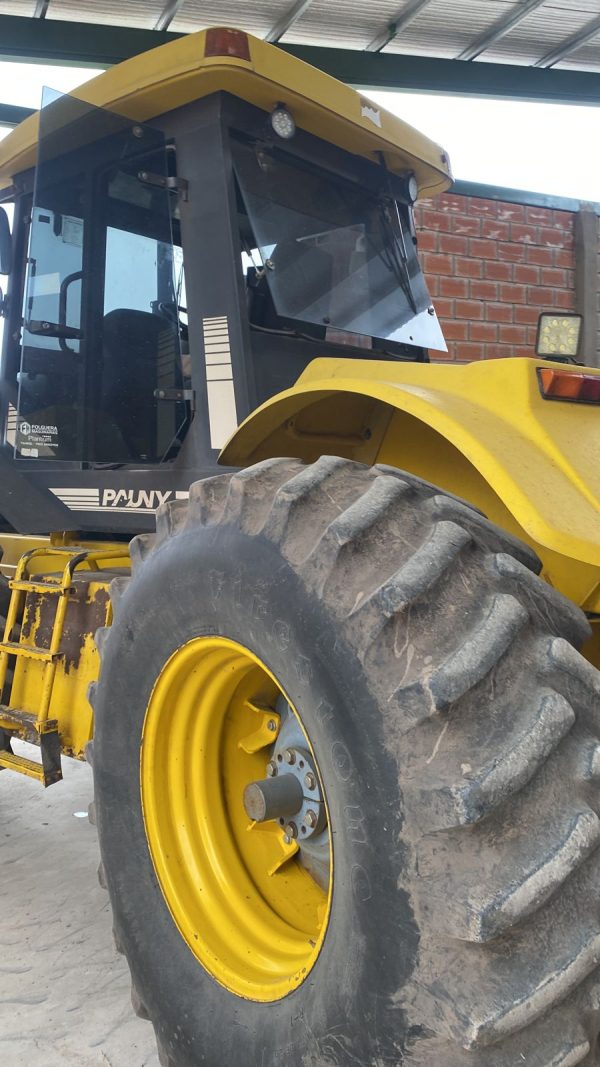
pixel 437 683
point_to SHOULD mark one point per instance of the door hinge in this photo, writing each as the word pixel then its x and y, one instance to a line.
pixel 176 396
pixel 174 185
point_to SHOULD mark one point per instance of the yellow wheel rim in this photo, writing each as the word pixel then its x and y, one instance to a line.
pixel 239 891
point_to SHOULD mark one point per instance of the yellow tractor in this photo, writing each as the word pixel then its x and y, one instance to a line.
pixel 346 731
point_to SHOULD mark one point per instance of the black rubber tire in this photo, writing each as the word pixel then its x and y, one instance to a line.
pixel 453 722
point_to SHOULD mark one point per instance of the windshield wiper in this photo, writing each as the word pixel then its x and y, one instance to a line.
pixel 395 256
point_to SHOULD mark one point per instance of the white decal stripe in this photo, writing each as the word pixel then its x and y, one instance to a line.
pixel 75 496
pixel 11 425
pixel 222 414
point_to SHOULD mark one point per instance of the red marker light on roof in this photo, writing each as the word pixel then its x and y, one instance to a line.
pixel 221 41
pixel 567 385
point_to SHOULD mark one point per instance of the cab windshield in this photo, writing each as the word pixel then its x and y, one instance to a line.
pixel 333 253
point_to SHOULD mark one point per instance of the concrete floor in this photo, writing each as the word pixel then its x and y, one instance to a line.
pixel 64 991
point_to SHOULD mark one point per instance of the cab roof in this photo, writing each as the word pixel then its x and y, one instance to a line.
pixel 221 59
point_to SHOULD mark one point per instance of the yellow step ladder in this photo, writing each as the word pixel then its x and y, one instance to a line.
pixel 37 727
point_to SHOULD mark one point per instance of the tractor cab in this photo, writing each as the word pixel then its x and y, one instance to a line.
pixel 171 274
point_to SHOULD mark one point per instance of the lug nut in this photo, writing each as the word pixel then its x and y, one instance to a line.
pixel 271 769
pixel 291 830
pixel 310 819
pixel 272 725
pixel 289 756
pixel 310 780
pixel 287 839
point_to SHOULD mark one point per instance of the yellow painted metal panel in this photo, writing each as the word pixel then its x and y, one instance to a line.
pixel 482 431
pixel 87 610
pixel 178 73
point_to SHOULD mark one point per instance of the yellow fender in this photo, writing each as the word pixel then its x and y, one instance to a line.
pixel 482 431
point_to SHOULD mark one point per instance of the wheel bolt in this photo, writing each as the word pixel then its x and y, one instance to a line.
pixel 310 780
pixel 272 725
pixel 271 769
pixel 291 830
pixel 310 819
pixel 287 839
pixel 289 756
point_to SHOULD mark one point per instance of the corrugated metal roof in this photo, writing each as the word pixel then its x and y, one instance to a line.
pixel 419 27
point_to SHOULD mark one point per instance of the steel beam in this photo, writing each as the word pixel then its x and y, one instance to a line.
pixel 170 9
pixel 589 31
pixel 395 25
pixel 81 44
pixel 77 44
pixel 11 115
pixel 287 20
pixel 424 74
pixel 500 28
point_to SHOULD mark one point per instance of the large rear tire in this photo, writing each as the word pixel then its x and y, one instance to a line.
pixel 453 728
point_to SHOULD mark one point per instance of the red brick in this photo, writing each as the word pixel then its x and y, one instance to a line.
pixel 564 257
pixel 477 206
pixel 510 251
pixel 469 350
pixel 483 290
pixel 554 276
pixel 437 264
pixel 436 220
pixel 454 287
pixel 565 299
pixel 497 351
pixel 433 284
pixel 512 335
pixel 483 331
pixel 468 268
pixel 452 201
pixel 444 308
pixel 499 272
pixel 539 216
pixel 563 219
pixel 512 212
pixel 526 315
pixel 470 227
pixel 521 232
pixel 499 312
pixel 482 249
pixel 455 331
pixel 451 242
pixel 468 309
pixel 427 241
pixel 543 256
pixel 540 297
pixel 513 294
pixel 527 274
pixel 495 230
pixel 555 238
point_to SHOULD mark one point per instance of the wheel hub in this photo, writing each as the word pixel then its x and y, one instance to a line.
pixel 291 795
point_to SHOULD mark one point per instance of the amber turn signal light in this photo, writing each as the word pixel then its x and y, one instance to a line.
pixel 567 385
pixel 222 41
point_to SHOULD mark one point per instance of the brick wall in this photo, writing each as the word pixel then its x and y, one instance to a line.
pixel 492 267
